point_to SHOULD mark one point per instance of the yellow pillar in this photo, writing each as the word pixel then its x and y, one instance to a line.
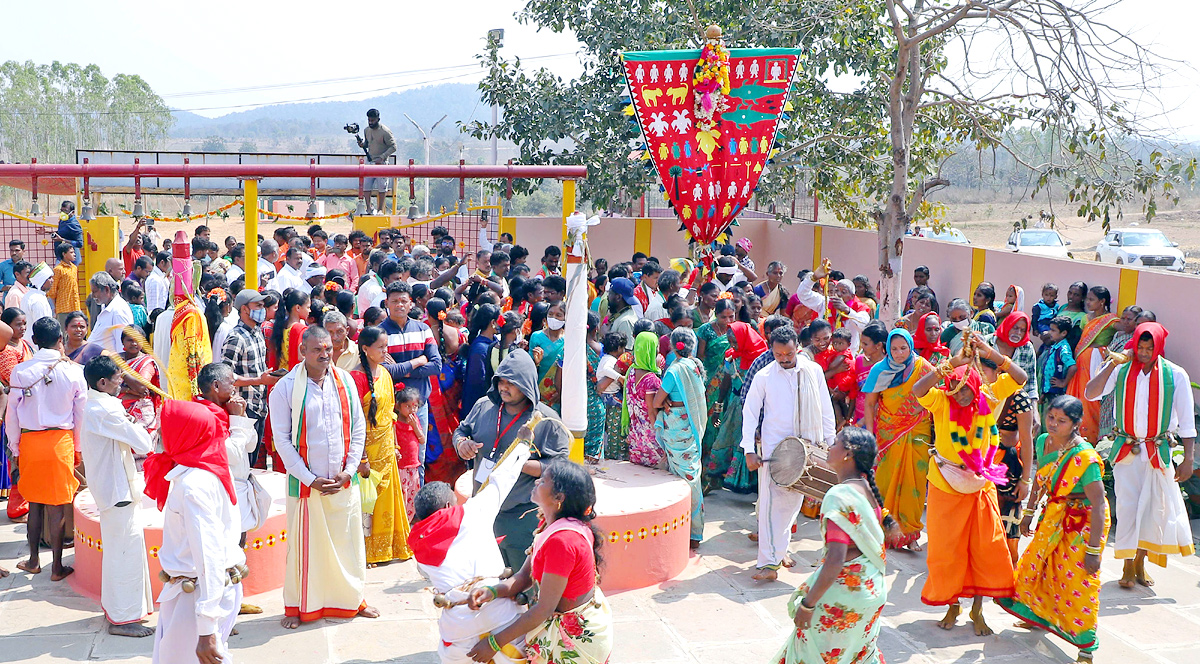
pixel 101 241
pixel 568 206
pixel 817 246
pixel 978 265
pixel 371 224
pixel 1128 290
pixel 507 225
pixel 250 205
pixel 641 235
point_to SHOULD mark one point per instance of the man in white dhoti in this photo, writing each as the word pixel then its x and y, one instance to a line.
pixel 455 548
pixel 1153 399
pixel 108 441
pixel 791 397
pixel 317 419
pixel 201 561
pixel 215 383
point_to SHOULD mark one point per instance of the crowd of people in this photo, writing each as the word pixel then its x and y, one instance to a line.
pixel 369 370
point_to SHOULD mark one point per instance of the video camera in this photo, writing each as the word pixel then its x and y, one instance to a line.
pixel 351 128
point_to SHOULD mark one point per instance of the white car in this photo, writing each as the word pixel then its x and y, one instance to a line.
pixel 945 235
pixel 1038 242
pixel 1140 246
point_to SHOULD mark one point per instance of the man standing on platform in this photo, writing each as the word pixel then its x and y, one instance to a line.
pixel 377 140
pixel 45 418
pixel 791 398
pixel 317 421
pixel 191 483
pixel 1153 399
pixel 491 427
pixel 108 442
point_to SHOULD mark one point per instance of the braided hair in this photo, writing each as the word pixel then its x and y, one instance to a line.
pixel 367 337
pixel 861 445
pixel 291 298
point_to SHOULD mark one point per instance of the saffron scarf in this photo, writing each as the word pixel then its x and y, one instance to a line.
pixel 300 428
pixel 1161 396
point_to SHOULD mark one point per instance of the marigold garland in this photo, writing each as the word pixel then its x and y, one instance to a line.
pixel 711 81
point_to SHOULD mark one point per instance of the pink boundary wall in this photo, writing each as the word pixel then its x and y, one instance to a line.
pixel 1175 298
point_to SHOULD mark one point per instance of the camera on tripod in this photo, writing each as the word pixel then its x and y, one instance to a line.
pixel 351 128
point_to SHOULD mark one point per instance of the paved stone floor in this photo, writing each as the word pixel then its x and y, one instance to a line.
pixel 714 612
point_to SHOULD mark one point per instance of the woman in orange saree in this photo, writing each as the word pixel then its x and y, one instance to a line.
pixel 1098 331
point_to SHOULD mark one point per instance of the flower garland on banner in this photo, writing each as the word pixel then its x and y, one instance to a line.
pixel 711 81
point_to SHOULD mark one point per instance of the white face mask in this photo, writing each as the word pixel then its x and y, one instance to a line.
pixel 962 324
pixel 555 323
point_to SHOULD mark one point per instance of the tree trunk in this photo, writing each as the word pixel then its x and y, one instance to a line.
pixel 891 275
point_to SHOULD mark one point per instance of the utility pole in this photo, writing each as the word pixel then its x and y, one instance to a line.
pixel 425 142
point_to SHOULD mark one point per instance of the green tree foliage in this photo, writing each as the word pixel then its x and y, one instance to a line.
pixel 213 144
pixel 49 111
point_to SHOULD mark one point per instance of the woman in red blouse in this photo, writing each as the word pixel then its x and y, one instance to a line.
pixel 567 611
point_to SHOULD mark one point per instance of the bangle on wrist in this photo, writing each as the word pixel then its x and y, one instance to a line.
pixel 492 642
pixel 1093 550
pixel 805 606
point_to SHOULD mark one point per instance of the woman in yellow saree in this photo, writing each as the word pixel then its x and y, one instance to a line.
pixel 904 430
pixel 1058 578
pixel 1098 331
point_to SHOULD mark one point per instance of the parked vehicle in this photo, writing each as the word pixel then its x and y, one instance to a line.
pixel 945 235
pixel 1038 242
pixel 1146 247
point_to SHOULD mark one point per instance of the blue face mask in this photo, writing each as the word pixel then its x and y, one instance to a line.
pixel 258 315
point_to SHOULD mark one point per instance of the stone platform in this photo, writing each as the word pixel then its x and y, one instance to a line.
pixel 644 515
pixel 266 548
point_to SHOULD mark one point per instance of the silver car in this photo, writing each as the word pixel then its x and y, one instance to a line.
pixel 1144 247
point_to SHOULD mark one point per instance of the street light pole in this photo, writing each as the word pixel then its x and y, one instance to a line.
pixel 425 142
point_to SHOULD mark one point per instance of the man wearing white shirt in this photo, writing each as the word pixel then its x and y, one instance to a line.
pixel 373 290
pixel 291 274
pixel 191 483
pixel 115 313
pixel 108 442
pixel 792 399
pixel 268 253
pixel 237 267
pixel 842 309
pixel 35 303
pixel 158 284
pixel 323 454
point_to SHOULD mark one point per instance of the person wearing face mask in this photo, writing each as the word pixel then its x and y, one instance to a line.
pixel 958 320
pixel 546 346
pixel 245 351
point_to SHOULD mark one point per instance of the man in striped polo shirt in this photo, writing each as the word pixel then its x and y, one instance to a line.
pixel 413 347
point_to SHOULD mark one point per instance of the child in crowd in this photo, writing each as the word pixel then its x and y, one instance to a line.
pixel 409 438
pixel 608 384
pixel 1044 311
pixel 837 360
pixel 1056 366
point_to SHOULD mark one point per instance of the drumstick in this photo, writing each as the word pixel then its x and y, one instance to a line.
pixel 137 377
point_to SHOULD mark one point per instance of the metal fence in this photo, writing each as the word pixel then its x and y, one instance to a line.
pixel 37 247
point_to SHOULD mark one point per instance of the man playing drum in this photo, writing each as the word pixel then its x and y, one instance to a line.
pixel 791 395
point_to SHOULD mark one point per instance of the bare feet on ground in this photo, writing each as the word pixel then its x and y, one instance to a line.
pixel 1127 576
pixel 915 546
pixel 787 562
pixel 290 622
pixel 62 574
pixel 951 617
pixel 368 612
pixel 28 566
pixel 753 537
pixel 131 629
pixel 981 627
pixel 766 574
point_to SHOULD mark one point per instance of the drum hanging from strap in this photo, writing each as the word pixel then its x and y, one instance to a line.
pixel 799 465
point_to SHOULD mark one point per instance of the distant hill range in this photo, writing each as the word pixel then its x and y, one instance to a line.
pixel 322 121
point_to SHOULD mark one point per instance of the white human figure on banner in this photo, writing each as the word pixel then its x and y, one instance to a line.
pixel 682 72
pixel 712 193
pixel 640 74
pixel 746 189
pixel 732 190
pixel 668 73
pixel 697 192
pixel 654 73
pixel 740 71
pixel 776 71
pixel 753 69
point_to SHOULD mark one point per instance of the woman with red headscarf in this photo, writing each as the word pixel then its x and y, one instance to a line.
pixel 726 459
pixel 192 485
pixel 967 551
pixel 1153 399
pixel 928 339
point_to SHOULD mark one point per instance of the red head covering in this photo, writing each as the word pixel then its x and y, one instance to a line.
pixel 1157 333
pixel 925 347
pixel 193 435
pixel 749 344
pixel 1006 326
pixel 965 415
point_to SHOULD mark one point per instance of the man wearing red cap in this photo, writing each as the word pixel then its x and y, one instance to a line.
pixel 1153 399
pixel 200 556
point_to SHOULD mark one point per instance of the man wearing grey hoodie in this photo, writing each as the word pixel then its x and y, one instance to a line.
pixel 488 431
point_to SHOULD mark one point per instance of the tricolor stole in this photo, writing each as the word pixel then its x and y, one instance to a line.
pixel 1161 398
pixel 300 427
